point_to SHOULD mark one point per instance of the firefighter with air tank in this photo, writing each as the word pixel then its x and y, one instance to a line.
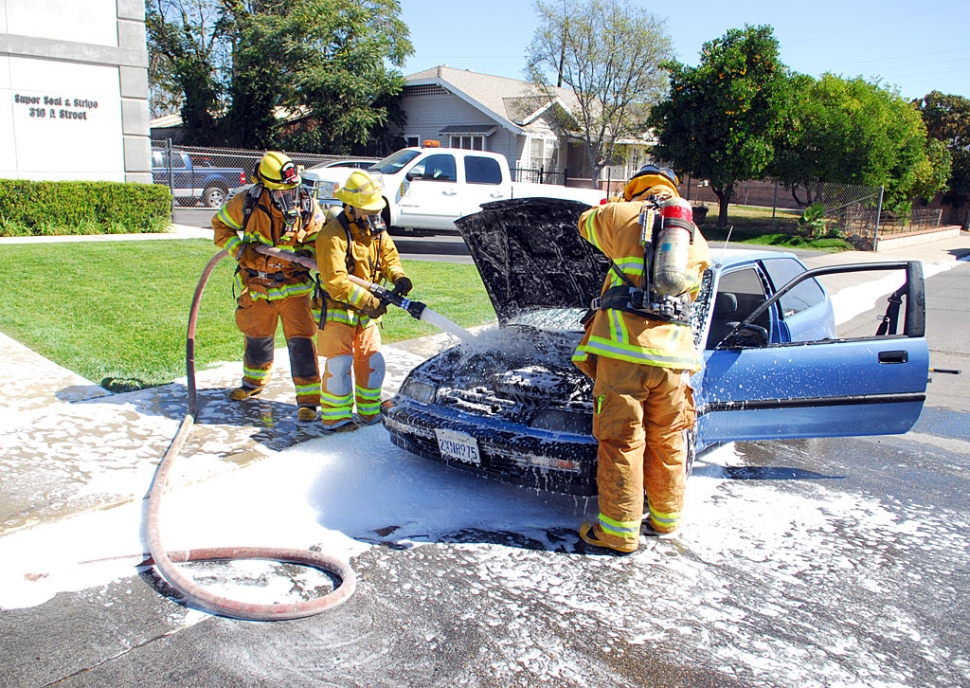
pixel 354 243
pixel 276 212
pixel 639 349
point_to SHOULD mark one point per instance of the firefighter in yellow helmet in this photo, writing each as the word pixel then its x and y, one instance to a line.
pixel 276 212
pixel 354 242
pixel 639 350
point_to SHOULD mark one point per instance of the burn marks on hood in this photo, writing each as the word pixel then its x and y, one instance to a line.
pixel 530 255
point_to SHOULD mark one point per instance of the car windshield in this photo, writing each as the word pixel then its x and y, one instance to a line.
pixel 395 161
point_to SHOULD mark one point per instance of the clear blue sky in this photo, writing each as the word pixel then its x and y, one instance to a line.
pixel 918 47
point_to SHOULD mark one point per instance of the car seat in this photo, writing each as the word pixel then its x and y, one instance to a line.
pixel 724 319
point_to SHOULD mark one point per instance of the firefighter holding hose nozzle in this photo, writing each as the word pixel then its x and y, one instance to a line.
pixel 354 243
pixel 639 350
pixel 276 212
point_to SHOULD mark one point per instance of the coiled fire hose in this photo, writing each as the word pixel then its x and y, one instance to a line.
pixel 165 561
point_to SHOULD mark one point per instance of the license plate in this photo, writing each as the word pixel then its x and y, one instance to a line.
pixel 458 446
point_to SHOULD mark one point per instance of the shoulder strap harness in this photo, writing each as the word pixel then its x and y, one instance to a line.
pixel 643 300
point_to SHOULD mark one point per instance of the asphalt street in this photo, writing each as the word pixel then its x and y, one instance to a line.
pixel 804 563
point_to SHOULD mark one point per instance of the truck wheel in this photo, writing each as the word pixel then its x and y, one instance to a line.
pixel 214 197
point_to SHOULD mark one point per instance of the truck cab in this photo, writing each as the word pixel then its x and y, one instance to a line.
pixel 428 188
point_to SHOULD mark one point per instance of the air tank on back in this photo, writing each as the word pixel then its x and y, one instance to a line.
pixel 673 244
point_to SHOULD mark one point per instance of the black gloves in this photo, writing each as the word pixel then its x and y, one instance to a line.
pixel 402 286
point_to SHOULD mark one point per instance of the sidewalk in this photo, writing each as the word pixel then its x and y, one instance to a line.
pixel 68 446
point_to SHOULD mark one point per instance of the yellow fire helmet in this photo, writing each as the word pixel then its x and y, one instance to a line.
pixel 276 171
pixel 652 180
pixel 361 191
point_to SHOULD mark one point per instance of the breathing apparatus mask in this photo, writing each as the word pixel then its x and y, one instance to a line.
pixel 287 201
pixel 371 224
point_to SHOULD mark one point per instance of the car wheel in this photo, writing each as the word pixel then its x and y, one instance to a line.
pixel 214 197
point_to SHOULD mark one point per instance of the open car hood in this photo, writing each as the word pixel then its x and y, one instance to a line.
pixel 531 257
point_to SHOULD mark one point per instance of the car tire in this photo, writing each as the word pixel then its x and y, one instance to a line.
pixel 214 197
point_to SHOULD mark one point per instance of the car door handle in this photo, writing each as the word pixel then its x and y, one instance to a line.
pixel 893 356
pixel 449 192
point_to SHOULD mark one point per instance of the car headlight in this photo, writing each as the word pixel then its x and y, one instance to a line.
pixel 422 392
pixel 563 420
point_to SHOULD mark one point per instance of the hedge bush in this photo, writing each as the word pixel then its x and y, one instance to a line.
pixel 33 208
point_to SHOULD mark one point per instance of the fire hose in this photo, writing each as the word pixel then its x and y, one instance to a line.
pixel 165 562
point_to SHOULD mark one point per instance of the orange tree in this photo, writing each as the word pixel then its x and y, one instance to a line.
pixel 721 118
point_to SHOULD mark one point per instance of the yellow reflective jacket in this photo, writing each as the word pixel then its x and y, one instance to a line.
pixel 373 258
pixel 614 229
pixel 266 277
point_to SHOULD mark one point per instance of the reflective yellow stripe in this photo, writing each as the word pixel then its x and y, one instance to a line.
pixel 226 218
pixel 312 388
pixel 255 373
pixel 368 400
pixel 232 245
pixel 667 521
pixel 621 529
pixel 602 346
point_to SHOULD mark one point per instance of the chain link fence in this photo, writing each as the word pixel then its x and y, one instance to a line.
pixel 204 176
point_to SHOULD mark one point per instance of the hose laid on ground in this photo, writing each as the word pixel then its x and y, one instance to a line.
pixel 165 561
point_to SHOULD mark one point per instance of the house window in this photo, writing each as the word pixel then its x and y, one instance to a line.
pixel 411 141
pixel 468 142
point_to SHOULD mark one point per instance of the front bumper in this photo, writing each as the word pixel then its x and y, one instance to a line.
pixel 554 462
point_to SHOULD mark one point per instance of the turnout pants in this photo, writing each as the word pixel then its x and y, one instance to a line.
pixel 354 371
pixel 257 319
pixel 640 414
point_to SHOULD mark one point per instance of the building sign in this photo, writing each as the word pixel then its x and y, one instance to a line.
pixel 62 121
pixel 50 108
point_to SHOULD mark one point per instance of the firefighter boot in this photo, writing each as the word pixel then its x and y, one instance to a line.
pixel 244 392
pixel 589 534
pixel 306 413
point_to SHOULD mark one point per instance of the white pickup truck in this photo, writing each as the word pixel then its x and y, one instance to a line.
pixel 427 189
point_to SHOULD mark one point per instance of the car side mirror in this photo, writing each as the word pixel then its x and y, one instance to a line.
pixel 748 336
pixel 414 174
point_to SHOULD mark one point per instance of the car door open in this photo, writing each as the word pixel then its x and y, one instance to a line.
pixel 867 385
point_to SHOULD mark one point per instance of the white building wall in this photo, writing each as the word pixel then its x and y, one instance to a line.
pixel 74 90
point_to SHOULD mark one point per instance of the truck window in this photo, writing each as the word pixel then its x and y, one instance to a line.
pixel 440 168
pixel 393 163
pixel 481 170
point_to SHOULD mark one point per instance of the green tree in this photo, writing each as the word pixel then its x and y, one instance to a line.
pixel 241 64
pixel 186 44
pixel 851 131
pixel 609 54
pixel 722 118
pixel 324 59
pixel 947 119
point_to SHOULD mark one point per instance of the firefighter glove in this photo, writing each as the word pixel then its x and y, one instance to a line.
pixel 377 311
pixel 402 286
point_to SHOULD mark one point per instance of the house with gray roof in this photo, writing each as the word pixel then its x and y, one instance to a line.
pixel 464 109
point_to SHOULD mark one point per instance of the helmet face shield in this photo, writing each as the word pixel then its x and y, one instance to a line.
pixel 286 201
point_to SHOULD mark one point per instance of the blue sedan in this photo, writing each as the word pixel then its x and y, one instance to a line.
pixel 512 406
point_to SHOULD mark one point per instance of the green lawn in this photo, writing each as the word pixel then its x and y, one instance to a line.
pixel 117 312
pixel 756 225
